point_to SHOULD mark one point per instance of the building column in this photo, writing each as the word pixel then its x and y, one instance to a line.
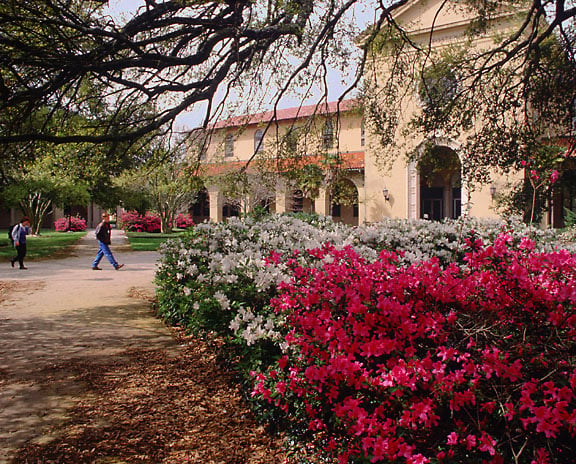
pixel 362 205
pixel 282 203
pixel 322 203
pixel 216 204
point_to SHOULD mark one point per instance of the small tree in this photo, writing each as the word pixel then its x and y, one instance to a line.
pixel 38 190
pixel 166 185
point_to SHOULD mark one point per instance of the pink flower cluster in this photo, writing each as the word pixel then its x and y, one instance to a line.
pixel 184 221
pixel 70 224
pixel 132 221
pixel 424 364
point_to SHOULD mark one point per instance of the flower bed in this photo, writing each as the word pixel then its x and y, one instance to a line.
pixel 132 221
pixel 184 221
pixel 220 279
pixel 420 364
pixel 70 224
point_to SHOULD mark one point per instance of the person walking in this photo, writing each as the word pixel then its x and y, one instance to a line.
pixel 19 233
pixel 103 234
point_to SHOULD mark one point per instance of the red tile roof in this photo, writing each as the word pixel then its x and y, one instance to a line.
pixel 288 114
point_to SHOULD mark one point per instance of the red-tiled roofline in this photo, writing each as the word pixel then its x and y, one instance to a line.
pixel 288 114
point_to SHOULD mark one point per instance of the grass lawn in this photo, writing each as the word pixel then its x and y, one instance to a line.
pixel 47 244
pixel 144 241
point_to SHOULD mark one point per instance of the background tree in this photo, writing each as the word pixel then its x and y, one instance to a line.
pixel 172 55
pixel 166 184
pixel 38 188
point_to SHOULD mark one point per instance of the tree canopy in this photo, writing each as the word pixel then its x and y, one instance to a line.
pixel 130 78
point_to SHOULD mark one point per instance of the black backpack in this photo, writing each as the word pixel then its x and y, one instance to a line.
pixel 10 229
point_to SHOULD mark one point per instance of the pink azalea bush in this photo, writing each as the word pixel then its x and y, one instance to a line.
pixel 470 363
pixel 70 224
pixel 184 221
pixel 132 221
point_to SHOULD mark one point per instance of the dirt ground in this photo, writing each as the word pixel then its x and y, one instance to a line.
pixel 88 374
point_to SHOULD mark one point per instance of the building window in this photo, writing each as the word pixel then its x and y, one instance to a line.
pixel 438 88
pixel 362 134
pixel 336 210
pixel 229 146
pixel 328 135
pixel 258 141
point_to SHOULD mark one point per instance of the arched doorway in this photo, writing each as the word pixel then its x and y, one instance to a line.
pixel 563 211
pixel 344 202
pixel 440 183
pixel 200 209
pixel 299 203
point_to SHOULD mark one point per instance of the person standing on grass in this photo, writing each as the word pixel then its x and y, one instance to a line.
pixel 19 232
pixel 103 234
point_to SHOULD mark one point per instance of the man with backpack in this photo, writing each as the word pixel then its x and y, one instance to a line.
pixel 103 234
pixel 18 235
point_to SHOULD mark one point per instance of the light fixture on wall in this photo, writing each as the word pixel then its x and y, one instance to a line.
pixel 386 194
pixel 492 191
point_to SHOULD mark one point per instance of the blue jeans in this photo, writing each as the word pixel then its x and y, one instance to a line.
pixel 104 250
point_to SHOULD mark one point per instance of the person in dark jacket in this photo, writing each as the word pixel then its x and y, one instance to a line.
pixel 19 232
pixel 103 234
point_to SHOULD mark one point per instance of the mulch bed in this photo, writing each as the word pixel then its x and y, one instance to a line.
pixel 153 406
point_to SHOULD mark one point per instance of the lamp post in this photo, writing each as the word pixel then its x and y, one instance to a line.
pixel 492 191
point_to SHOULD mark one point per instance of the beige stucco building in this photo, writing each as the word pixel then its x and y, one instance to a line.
pixel 343 132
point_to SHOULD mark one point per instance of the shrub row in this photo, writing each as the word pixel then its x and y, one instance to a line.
pixel 70 224
pixel 221 279
pixel 133 221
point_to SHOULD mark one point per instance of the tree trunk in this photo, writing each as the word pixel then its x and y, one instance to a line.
pixel 36 208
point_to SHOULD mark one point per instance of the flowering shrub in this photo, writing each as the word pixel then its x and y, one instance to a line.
pixel 70 224
pixel 183 221
pixel 132 221
pixel 424 364
pixel 220 279
pixel 246 260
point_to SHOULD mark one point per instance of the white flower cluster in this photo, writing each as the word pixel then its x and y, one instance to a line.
pixel 252 327
pixel 238 255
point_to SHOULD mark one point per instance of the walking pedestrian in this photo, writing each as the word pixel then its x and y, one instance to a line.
pixel 103 234
pixel 19 233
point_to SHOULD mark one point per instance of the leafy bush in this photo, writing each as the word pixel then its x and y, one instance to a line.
pixel 132 221
pixel 184 221
pixel 70 224
pixel 220 279
pixel 420 364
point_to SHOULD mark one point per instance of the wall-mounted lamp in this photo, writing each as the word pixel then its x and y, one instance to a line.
pixel 492 191
pixel 386 194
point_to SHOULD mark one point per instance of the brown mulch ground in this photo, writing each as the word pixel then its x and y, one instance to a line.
pixel 154 406
pixel 9 287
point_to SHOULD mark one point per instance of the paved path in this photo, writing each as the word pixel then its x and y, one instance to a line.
pixel 69 313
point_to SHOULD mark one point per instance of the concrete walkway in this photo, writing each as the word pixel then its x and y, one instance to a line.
pixel 69 313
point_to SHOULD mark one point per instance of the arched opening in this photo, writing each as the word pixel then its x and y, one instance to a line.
pixel 563 209
pixel 344 202
pixel 299 203
pixel 200 209
pixel 440 170
pixel 230 210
